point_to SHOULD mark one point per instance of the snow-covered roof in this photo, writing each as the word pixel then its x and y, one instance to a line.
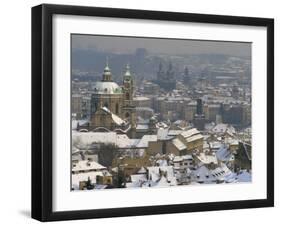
pixel 203 174
pixel 124 142
pixel 223 154
pixel 76 95
pixel 142 127
pixel 178 159
pixel 89 138
pixel 141 98
pixel 77 178
pixel 117 119
pixel 106 88
pixel 162 134
pixel 215 145
pixel 181 158
pixel 87 165
pixel 142 170
pixel 85 140
pixel 140 120
pixel 178 122
pixel 83 155
pixel 154 173
pixel 207 159
pixel 189 132
pixel 145 109
pixel 209 126
pixel 179 145
pixel 161 125
pixel 100 186
pixel 162 162
pixel 145 140
pixel 192 103
pixel 114 117
pixel 194 137
pixel 223 128
pixel 138 177
pixel 174 132
pixel 74 123
pixel 187 157
pixel 133 184
pixel 221 172
pixel 105 109
pixel 205 145
pixel 231 141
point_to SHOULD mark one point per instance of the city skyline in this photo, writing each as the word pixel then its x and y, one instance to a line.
pixel 128 45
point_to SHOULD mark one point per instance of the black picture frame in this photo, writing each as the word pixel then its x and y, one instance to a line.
pixel 42 107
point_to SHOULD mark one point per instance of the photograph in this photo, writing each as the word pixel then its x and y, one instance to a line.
pixel 149 112
pixel 145 112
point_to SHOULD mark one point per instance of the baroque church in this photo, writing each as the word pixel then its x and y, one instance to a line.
pixel 112 106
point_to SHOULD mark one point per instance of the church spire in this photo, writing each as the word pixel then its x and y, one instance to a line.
pixel 127 72
pixel 106 62
pixel 170 71
pixel 106 77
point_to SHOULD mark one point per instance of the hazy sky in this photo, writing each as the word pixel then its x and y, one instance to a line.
pixel 157 46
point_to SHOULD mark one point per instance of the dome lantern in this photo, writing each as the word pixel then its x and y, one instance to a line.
pixel 106 77
pixel 127 72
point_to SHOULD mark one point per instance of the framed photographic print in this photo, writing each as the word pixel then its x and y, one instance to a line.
pixel 146 112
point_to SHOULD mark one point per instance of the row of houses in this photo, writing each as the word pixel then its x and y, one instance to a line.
pixel 177 142
pixel 169 171
pixel 182 156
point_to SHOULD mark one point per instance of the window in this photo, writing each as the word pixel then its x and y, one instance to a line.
pixel 127 115
pixel 106 104
pixel 117 108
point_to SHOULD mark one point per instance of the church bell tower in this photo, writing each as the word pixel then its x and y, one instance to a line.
pixel 129 109
pixel 128 87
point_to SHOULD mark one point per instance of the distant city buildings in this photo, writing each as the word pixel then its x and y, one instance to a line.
pixel 166 78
